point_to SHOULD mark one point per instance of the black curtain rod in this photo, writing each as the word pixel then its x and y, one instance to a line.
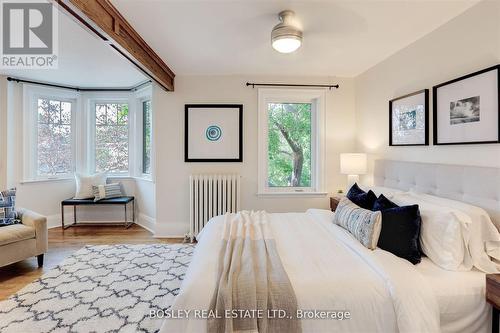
pixel 77 88
pixel 329 86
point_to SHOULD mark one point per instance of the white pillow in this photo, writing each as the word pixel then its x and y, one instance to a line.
pixel 483 238
pixel 441 236
pixel 84 185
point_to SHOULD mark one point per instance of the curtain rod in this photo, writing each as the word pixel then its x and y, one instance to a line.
pixel 77 88
pixel 329 86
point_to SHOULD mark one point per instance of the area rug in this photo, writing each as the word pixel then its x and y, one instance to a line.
pixel 106 288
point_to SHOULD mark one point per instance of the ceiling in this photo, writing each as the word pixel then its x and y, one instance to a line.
pixel 341 38
pixel 84 61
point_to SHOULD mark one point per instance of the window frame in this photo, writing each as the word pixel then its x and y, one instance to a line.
pixel 82 130
pixel 140 96
pixel 317 98
pixel 30 123
pixel 142 101
pixel 91 151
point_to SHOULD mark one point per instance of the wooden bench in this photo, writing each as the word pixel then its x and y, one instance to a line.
pixel 90 202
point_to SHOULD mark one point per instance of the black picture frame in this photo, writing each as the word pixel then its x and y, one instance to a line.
pixel 187 107
pixel 426 114
pixel 435 107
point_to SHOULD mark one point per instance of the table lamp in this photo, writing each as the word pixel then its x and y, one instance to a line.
pixel 353 165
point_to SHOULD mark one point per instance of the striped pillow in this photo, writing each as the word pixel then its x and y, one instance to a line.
pixel 363 224
pixel 107 191
pixel 8 214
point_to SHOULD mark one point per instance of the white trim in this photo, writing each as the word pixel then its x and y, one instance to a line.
pixel 146 222
pixel 318 99
pixel 46 180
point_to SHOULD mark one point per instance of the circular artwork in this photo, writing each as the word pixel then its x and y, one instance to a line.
pixel 213 133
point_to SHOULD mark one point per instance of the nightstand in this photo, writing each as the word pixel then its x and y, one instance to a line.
pixel 334 201
pixel 493 297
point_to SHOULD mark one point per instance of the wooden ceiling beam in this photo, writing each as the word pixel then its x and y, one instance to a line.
pixel 104 20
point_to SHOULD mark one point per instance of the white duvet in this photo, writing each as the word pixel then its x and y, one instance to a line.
pixel 329 270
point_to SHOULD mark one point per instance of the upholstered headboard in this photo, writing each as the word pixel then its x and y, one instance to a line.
pixel 479 186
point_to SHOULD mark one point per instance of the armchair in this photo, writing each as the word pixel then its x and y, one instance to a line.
pixel 24 240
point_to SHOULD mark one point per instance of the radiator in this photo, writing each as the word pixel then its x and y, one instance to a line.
pixel 211 195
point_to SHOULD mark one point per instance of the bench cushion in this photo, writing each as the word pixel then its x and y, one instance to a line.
pixel 15 233
pixel 83 202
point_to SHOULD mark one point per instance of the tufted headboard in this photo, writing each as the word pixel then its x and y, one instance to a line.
pixel 479 186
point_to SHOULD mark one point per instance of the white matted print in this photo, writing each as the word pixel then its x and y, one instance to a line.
pixel 408 119
pixel 466 110
pixel 213 133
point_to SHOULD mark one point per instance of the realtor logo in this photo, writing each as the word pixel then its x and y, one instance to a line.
pixel 29 34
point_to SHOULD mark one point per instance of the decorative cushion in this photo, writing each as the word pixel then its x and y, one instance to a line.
pixel 382 203
pixel 8 214
pixel 107 191
pixel 361 198
pixel 363 224
pixel 400 232
pixel 84 185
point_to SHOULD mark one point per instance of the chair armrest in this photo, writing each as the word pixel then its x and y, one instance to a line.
pixel 39 222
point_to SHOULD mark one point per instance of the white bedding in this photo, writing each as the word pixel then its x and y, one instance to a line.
pixel 460 296
pixel 329 270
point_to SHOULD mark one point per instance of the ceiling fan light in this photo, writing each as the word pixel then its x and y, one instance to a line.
pixel 287 44
pixel 286 37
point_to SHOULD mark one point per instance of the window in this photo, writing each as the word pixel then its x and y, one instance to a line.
pixel 66 131
pixel 146 137
pixel 290 141
pixel 111 137
pixel 54 138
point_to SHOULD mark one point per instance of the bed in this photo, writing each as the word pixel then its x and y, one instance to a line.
pixel 331 271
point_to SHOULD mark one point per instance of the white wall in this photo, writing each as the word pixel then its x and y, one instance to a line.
pixel 172 195
pixel 467 43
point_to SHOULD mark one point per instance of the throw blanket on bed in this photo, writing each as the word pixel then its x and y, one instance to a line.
pixel 252 284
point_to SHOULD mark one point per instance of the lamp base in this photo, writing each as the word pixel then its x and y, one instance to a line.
pixel 351 180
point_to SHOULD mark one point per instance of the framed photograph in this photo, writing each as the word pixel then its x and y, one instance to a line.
pixel 409 119
pixel 213 133
pixel 467 109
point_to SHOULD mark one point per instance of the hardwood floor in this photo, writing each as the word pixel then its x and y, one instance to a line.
pixel 64 242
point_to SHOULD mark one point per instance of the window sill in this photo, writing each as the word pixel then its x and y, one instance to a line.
pixel 117 177
pixel 292 194
pixel 47 180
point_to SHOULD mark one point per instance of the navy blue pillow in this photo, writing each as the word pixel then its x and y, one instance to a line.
pixel 400 232
pixel 361 198
pixel 382 203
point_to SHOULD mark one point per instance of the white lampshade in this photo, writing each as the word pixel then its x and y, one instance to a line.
pixel 353 164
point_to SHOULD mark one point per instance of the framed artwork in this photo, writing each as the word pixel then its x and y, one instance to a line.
pixel 409 119
pixel 467 109
pixel 213 133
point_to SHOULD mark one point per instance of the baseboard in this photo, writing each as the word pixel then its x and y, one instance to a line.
pixel 53 221
pixel 146 222
pixel 171 229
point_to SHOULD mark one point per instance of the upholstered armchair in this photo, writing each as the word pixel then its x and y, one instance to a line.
pixel 24 240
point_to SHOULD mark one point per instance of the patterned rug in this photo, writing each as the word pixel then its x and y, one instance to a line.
pixel 106 288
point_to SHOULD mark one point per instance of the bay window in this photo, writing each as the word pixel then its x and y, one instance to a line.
pixel 66 131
